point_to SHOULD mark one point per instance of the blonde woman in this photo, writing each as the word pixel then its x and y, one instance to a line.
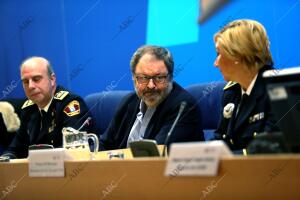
pixel 243 53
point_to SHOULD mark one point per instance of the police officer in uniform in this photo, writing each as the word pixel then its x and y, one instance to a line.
pixel 243 54
pixel 48 109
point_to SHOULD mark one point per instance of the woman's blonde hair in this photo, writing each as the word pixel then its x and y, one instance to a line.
pixel 247 41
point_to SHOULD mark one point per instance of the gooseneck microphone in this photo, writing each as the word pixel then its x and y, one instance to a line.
pixel 86 122
pixel 182 106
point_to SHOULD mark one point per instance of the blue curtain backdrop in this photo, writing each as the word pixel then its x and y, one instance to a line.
pixel 90 42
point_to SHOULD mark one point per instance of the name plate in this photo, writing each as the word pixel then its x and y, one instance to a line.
pixel 196 158
pixel 47 163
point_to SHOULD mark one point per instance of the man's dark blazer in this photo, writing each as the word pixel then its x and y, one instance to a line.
pixel 255 116
pixel 188 128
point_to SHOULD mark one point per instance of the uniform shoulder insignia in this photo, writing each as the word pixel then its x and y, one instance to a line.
pixel 73 108
pixel 61 95
pixel 229 85
pixel 27 103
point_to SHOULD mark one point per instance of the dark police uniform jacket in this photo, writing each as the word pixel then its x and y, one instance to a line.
pixel 188 128
pixel 65 110
pixel 254 117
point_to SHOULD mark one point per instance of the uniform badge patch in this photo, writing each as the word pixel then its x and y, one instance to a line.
pixel 256 117
pixel 73 108
pixel 27 103
pixel 228 110
pixel 61 95
pixel 229 85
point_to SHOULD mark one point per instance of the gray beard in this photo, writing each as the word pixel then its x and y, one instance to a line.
pixel 165 93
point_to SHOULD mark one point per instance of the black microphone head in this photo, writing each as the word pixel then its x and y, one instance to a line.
pixel 182 105
pixel 86 122
pixel 89 119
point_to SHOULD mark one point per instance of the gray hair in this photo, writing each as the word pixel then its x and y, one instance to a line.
pixel 160 53
pixel 50 70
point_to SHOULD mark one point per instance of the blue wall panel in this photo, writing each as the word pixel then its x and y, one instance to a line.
pixel 172 22
pixel 90 42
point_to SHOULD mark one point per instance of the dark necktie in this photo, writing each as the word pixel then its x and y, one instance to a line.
pixel 242 103
pixel 43 121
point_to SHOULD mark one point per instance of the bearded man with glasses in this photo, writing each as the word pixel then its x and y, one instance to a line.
pixel 150 112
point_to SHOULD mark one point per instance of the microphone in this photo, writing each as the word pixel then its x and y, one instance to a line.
pixel 86 122
pixel 182 106
pixel 71 130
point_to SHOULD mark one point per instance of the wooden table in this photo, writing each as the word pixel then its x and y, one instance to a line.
pixel 253 177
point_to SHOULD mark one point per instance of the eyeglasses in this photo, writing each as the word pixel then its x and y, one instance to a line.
pixel 159 79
